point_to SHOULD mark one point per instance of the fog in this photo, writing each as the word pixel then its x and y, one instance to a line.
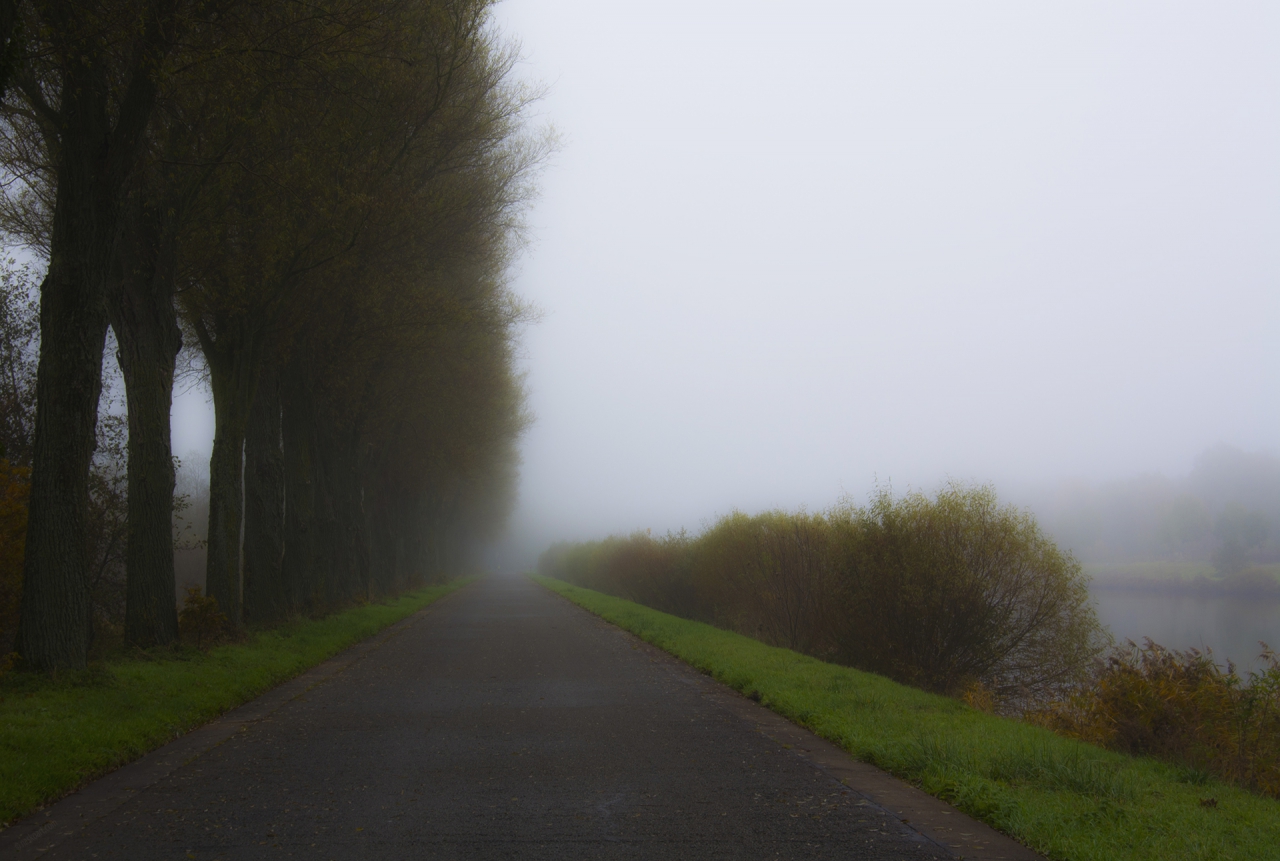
pixel 784 255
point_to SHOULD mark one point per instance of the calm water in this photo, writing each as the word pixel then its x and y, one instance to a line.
pixel 1231 627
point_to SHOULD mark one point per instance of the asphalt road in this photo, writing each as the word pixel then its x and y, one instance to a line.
pixel 502 722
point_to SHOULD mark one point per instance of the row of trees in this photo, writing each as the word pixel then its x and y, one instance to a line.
pixel 951 593
pixel 324 199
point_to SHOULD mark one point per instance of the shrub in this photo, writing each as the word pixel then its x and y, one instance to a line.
pixel 650 571
pixel 1181 707
pixel 200 619
pixel 947 592
pixel 772 577
pixel 951 594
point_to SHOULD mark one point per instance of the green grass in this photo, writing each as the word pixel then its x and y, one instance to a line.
pixel 1070 801
pixel 56 734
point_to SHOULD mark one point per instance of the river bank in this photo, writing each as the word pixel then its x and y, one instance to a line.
pixel 1187 606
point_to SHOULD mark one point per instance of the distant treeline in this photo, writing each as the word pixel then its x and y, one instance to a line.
pixel 1224 514
pixel 314 206
pixel 954 593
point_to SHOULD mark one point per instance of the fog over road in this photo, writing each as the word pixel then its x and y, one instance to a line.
pixel 502 722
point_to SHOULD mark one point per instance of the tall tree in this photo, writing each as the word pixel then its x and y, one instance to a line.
pixel 330 194
pixel 199 135
pixel 224 69
pixel 140 305
pixel 84 81
pixel 344 155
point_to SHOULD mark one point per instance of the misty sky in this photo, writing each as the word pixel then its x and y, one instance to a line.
pixel 783 254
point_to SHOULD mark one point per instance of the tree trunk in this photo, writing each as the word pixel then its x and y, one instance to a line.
pixel 95 157
pixel 266 594
pixel 10 33
pixel 349 500
pixel 343 556
pixel 231 374
pixel 328 558
pixel 384 524
pixel 146 326
pixel 54 627
pixel 299 495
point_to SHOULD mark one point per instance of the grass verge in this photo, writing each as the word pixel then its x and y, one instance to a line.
pixel 57 734
pixel 1068 800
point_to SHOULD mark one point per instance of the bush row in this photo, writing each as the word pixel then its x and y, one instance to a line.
pixel 953 593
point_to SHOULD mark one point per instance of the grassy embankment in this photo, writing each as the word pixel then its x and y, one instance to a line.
pixel 56 734
pixel 1068 800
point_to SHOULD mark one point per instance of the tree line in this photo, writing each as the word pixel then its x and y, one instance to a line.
pixel 1223 514
pixel 323 200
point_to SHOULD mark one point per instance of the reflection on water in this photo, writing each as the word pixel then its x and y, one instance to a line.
pixel 1231 627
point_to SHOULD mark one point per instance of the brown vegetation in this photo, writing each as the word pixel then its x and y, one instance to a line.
pixel 958 595
pixel 941 593
pixel 200 619
pixel 15 485
pixel 1181 707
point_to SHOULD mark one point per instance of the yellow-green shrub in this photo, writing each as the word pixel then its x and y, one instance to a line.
pixel 773 577
pixel 639 567
pixel 942 593
pixel 947 591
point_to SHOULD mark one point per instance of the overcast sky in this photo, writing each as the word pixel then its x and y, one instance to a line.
pixel 787 251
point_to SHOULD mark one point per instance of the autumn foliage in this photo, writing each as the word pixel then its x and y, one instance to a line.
pixel 1181 707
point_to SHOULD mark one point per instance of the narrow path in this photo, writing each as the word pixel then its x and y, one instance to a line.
pixel 502 722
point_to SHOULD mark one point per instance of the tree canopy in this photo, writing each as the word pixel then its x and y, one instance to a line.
pixel 324 201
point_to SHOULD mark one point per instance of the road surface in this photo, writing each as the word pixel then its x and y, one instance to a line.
pixel 501 722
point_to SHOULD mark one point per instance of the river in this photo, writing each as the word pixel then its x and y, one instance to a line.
pixel 1230 626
